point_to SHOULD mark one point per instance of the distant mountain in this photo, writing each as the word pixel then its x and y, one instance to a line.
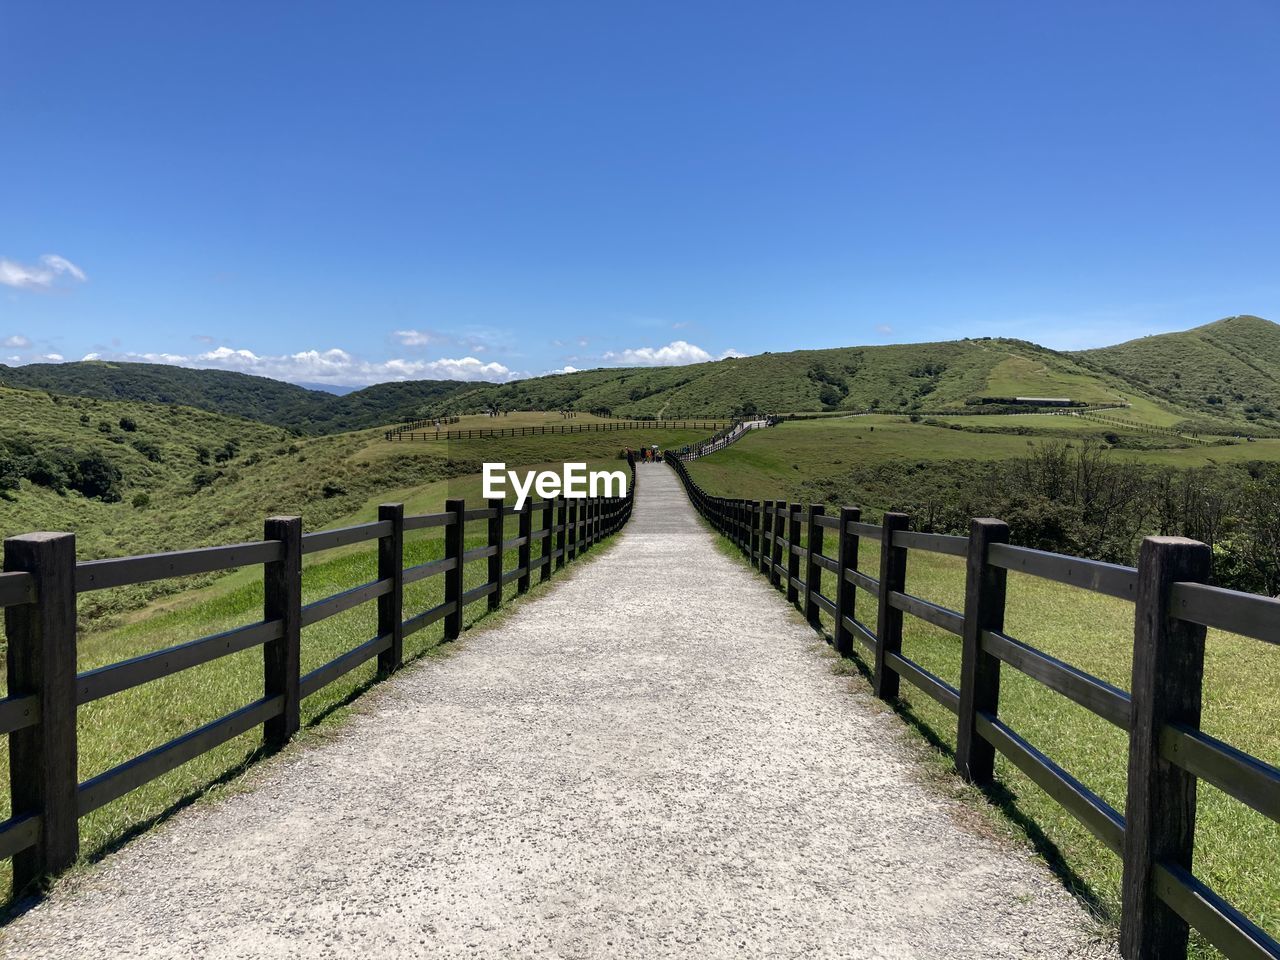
pixel 242 395
pixel 1230 368
pixel 1223 376
pixel 336 389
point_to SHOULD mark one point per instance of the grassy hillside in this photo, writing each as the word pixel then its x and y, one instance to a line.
pixel 902 377
pixel 235 394
pixel 1229 368
pixel 131 478
pixel 1221 378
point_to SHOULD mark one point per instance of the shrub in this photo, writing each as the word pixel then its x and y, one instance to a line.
pixel 141 501
pixel 128 424
pixel 148 450
pixel 97 477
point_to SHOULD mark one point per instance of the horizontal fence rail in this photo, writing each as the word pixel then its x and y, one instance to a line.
pixel 42 579
pixel 1168 754
pixel 554 429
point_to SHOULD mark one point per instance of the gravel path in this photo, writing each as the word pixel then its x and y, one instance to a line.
pixel 650 761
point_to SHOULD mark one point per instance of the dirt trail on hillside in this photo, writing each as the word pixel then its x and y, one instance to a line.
pixel 652 760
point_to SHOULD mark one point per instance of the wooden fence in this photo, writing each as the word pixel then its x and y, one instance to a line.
pixel 42 579
pixel 432 422
pixel 600 426
pixel 1168 753
pixel 727 437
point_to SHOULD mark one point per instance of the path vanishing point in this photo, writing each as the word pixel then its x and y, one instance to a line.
pixel 652 760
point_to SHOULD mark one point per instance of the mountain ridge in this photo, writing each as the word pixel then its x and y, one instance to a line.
pixel 1220 376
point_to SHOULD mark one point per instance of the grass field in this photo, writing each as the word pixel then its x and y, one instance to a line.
pixel 775 463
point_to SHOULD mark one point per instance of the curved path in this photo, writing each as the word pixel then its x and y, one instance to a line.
pixel 650 761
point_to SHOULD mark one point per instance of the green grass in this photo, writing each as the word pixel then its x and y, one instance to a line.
pixel 1237 850
pixel 1225 370
pixel 1025 376
pixel 782 460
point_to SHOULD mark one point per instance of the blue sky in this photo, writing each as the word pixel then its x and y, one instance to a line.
pixel 348 193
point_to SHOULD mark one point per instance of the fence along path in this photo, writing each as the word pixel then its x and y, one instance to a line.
pixel 792 544
pixel 42 579
pixel 649 761
pixel 410 432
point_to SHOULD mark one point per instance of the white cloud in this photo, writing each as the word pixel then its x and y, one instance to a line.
pixel 674 354
pixel 91 356
pixel 884 328
pixel 17 341
pixel 53 357
pixel 564 369
pixel 335 367
pixel 41 275
pixel 414 338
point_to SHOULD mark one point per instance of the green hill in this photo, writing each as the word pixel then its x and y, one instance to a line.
pixel 903 377
pixel 235 394
pixel 1230 368
pixel 1224 377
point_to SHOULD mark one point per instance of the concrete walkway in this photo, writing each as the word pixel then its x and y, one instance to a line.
pixel 650 761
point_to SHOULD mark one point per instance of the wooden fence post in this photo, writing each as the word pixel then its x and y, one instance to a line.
pixel 813 573
pixel 42 662
pixel 282 600
pixel 984 596
pixel 893 577
pixel 846 592
pixel 562 521
pixel 780 514
pixel 525 551
pixel 793 552
pixel 544 571
pixel 1160 812
pixel 572 531
pixel 391 605
pixel 455 543
pixel 497 524
pixel 766 531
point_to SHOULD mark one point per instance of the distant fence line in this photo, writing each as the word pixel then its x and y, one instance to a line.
pixel 1168 753
pixel 727 437
pixel 542 430
pixel 432 422
pixel 42 579
pixel 1139 427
